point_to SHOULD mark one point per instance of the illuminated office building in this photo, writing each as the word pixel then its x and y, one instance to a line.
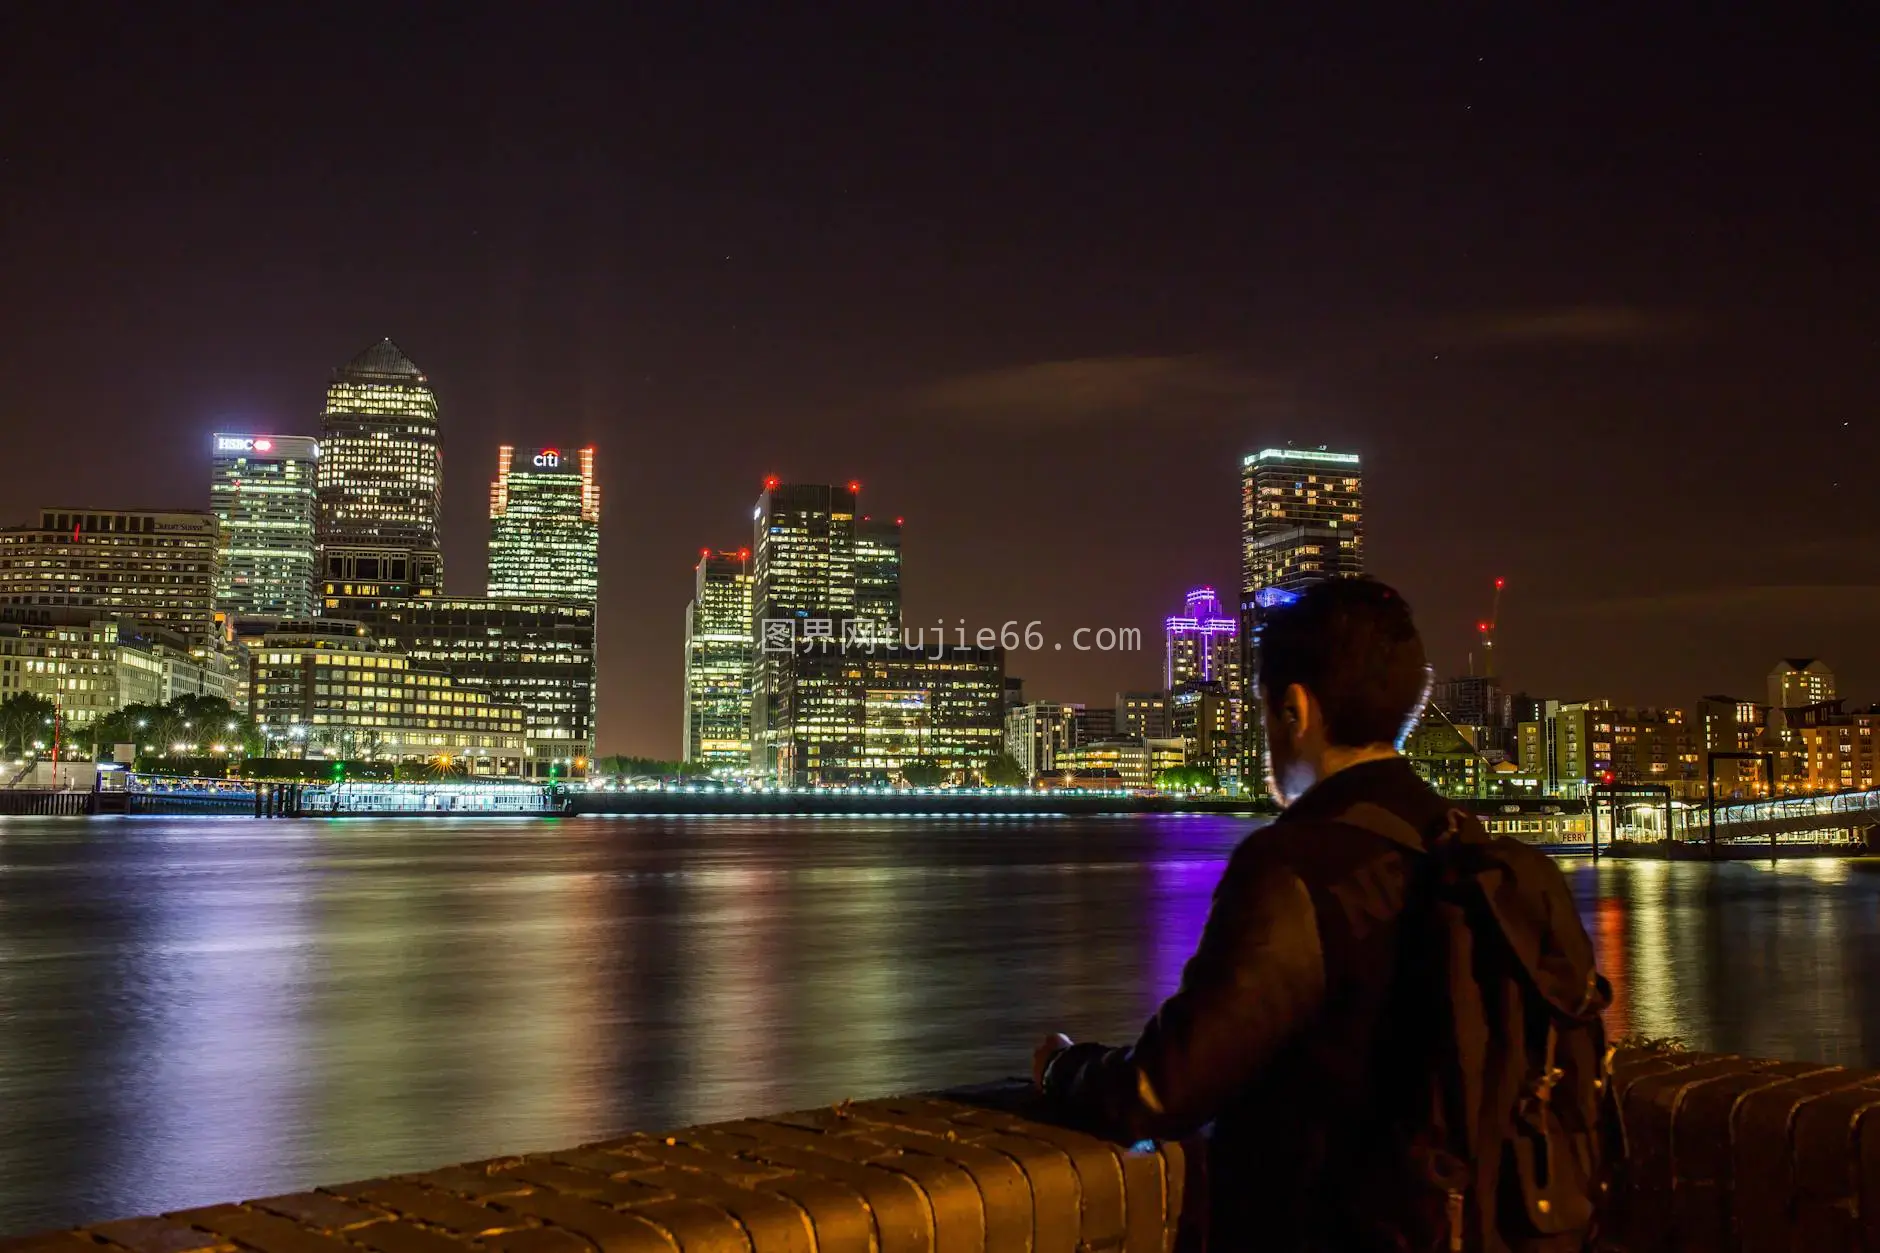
pixel 535 655
pixel 1206 716
pixel 718 652
pixel 325 687
pixel 1301 520
pixel 380 478
pixel 802 580
pixel 803 549
pixel 545 525
pixel 1035 734
pixel 859 715
pixel 262 491
pixel 154 565
pixel 1142 713
pixel 878 571
pixel 1203 643
pixel 91 667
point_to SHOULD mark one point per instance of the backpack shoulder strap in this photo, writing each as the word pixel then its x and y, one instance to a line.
pixel 1380 821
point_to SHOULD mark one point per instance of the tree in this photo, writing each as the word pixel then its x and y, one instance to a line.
pixel 647 767
pixel 1188 779
pixel 1004 771
pixel 922 773
pixel 24 718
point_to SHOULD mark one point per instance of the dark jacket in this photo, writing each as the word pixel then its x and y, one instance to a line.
pixel 1280 1034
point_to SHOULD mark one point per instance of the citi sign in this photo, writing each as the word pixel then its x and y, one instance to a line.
pixel 548 459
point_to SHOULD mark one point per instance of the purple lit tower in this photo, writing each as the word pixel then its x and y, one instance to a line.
pixel 1203 644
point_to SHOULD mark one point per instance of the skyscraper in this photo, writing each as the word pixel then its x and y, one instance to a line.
pixel 1301 520
pixel 878 572
pixel 262 492
pixel 803 552
pixel 1203 643
pixel 803 545
pixel 545 525
pixel 380 478
pixel 718 650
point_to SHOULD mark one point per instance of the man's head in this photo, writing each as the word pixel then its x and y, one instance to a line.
pixel 1342 679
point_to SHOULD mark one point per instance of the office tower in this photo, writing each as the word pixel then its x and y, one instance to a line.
pixel 155 565
pixel 326 687
pixel 718 652
pixel 263 492
pixel 380 480
pixel 536 655
pixel 1301 520
pixel 878 572
pixel 1037 733
pixel 803 547
pixel 861 715
pixel 545 525
pixel 1799 681
pixel 1203 643
pixel 802 581
pixel 1142 713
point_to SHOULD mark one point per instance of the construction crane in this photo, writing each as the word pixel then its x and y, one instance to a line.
pixel 1487 629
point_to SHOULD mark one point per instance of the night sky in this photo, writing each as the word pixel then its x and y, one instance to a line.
pixel 1596 298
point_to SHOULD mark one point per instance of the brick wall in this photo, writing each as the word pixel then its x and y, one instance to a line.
pixel 1723 1154
pixel 959 1173
pixel 1741 1155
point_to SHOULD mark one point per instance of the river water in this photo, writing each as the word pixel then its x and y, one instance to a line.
pixel 197 1010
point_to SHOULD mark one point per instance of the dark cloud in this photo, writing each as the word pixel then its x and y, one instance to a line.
pixel 1569 325
pixel 1089 389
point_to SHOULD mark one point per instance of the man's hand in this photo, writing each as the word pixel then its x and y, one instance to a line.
pixel 1041 1056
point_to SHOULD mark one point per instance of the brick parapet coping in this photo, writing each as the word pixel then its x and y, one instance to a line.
pixel 1722 1153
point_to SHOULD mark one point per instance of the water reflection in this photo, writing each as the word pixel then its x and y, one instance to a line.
pixel 192 1010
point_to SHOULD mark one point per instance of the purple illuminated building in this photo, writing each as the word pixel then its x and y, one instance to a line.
pixel 1203 644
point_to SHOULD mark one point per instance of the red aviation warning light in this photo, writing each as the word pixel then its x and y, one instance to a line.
pixel 855 485
pixel 772 483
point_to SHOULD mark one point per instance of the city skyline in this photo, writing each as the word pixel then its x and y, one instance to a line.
pixel 1030 310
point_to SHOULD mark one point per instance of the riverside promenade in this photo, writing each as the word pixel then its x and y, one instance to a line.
pixel 1722 1153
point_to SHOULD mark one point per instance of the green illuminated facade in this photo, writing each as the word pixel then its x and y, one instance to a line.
pixel 718 651
pixel 545 525
pixel 380 479
pixel 263 492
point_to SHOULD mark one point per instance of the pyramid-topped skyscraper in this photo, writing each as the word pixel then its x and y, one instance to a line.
pixel 381 480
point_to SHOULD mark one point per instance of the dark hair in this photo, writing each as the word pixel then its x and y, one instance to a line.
pixel 1352 644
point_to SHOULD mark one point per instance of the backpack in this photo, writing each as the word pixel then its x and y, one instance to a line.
pixel 1500 1122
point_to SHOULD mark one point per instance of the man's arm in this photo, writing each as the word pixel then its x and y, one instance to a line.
pixel 1257 977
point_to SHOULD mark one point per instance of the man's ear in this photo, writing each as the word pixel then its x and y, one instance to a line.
pixel 1295 708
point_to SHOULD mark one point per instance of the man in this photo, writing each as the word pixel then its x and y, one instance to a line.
pixel 1297 1032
